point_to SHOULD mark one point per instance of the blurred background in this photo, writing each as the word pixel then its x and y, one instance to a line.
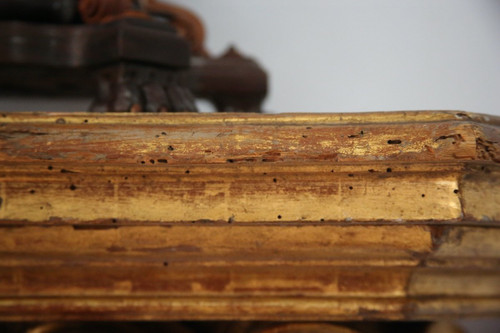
pixel 347 56
pixel 351 56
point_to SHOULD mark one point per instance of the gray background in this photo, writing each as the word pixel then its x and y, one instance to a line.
pixel 364 55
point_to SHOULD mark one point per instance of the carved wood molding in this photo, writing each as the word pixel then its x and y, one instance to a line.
pixel 249 217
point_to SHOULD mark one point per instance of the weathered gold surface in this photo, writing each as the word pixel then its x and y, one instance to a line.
pixel 263 217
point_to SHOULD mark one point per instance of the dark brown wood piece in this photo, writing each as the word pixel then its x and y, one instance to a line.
pixel 53 11
pixel 128 64
pixel 74 46
pixel 232 82
pixel 130 61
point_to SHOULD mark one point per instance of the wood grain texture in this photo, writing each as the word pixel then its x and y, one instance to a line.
pixel 255 217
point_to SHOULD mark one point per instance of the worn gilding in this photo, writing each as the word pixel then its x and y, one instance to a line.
pixel 241 216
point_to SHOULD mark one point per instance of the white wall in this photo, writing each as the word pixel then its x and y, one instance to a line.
pixel 365 55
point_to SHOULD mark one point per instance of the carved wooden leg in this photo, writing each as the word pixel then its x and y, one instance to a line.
pixel 155 97
pixel 180 98
pixel 179 95
pixel 138 88
pixel 119 90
